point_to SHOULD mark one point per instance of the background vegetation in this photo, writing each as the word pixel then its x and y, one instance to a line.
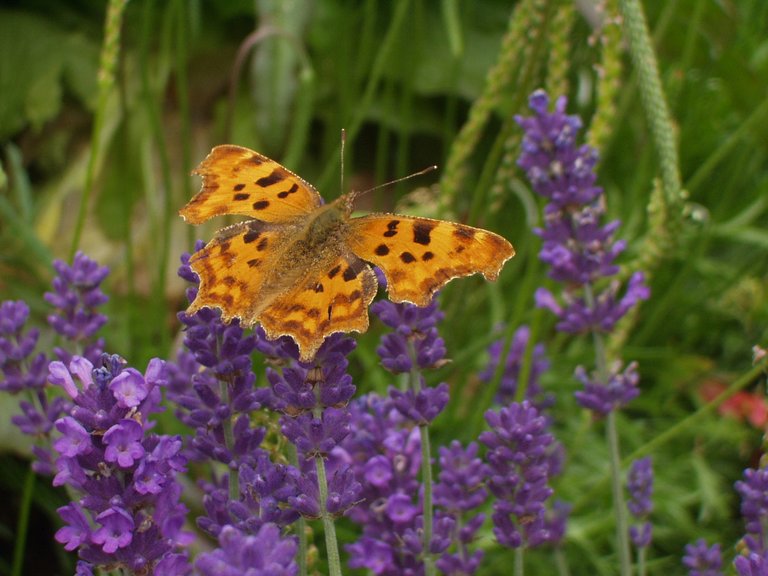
pixel 100 128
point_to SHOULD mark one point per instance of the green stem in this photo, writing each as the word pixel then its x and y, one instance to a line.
pixel 622 530
pixel 426 478
pixel 22 527
pixel 106 82
pixel 331 544
pixel 519 565
pixel 426 468
pixel 652 92
pixel 641 561
pixel 561 563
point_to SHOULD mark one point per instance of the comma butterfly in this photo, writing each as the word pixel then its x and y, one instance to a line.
pixel 300 267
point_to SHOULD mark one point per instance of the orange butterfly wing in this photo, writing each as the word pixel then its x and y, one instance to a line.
pixel 238 271
pixel 334 301
pixel 420 255
pixel 237 180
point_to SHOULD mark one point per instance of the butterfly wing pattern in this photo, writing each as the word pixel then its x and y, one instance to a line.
pixel 237 180
pixel 300 267
pixel 420 255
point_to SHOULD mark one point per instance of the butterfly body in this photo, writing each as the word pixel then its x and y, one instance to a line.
pixel 300 267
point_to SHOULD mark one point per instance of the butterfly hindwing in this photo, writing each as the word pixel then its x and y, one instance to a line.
pixel 237 180
pixel 420 255
pixel 237 269
pixel 334 301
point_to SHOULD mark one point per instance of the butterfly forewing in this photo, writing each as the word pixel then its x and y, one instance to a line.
pixel 420 255
pixel 237 180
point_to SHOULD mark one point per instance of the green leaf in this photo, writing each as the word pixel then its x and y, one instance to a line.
pixel 38 62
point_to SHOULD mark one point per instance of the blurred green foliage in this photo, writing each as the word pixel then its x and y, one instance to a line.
pixel 414 83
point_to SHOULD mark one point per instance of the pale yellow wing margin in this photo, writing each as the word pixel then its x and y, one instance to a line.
pixel 420 255
pixel 237 180
pixel 335 301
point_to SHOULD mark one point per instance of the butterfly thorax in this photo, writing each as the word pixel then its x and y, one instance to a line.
pixel 316 242
pixel 326 225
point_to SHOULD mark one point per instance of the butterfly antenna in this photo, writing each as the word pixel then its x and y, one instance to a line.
pixel 426 170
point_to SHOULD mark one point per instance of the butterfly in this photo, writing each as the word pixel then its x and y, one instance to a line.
pixel 301 268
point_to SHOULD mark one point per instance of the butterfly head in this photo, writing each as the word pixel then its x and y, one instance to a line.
pixel 345 203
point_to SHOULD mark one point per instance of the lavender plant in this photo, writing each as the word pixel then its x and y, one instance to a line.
pixel 127 514
pixel 76 298
pixel 581 251
pixel 640 486
pixel 703 560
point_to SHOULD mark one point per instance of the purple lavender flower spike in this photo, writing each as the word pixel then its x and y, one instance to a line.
pixel 421 407
pixel 265 553
pixel 19 369
pixel 128 513
pixel 314 397
pixel 385 455
pixel 603 398
pixel 753 564
pixel 512 365
pixel 640 485
pixel 703 560
pixel 459 491
pixel 518 455
pixel 414 326
pixel 577 247
pixel 580 250
pixel 754 507
pixel 76 296
pixel 316 436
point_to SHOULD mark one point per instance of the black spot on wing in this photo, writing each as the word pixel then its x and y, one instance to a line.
pixel 407 257
pixel 241 196
pixel 277 175
pixel 262 245
pixel 464 233
pixel 381 250
pixel 349 274
pixel 286 193
pixel 238 187
pixel 391 228
pixel 260 204
pixel 333 271
pixel 427 256
pixel 421 232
